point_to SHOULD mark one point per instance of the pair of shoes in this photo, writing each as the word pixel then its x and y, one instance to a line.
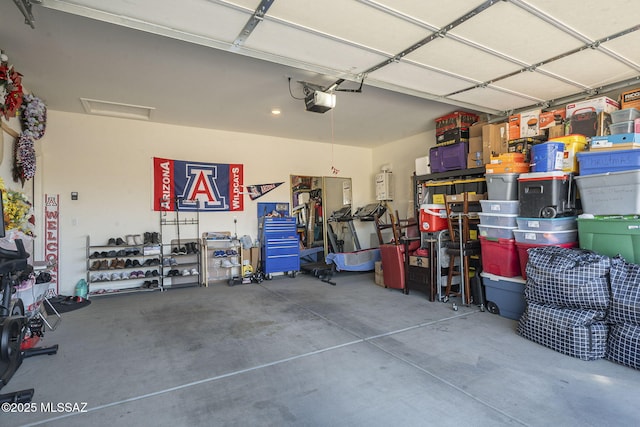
pixel 231 252
pixel 151 238
pixel 218 254
pixel 179 251
pixel 191 247
pixel 149 284
pixel 95 265
pixel 194 272
pixel 133 239
pixel 172 273
pixel 116 276
pixel 186 272
pixel 116 241
pixel 136 274
pixel 226 263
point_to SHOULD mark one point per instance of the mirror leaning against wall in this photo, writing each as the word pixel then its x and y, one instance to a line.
pixel 322 208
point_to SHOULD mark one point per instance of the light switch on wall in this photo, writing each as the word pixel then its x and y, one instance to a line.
pixel 74 195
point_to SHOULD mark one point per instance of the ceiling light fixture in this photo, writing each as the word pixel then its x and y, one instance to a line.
pixel 116 109
pixel 276 111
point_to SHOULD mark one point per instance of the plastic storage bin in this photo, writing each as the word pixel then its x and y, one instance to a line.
pixel 435 191
pixel 547 157
pixel 494 232
pixel 500 256
pixel 573 144
pixel 523 255
pixel 547 224
pixel 449 157
pixel 608 161
pixel 624 115
pixel 507 168
pixel 546 194
pixel 498 220
pixel 433 218
pixel 612 193
pixel 546 237
pixel 611 236
pixel 502 186
pixel 499 206
pixel 504 295
pixel 622 127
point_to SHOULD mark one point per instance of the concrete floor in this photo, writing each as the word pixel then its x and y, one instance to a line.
pixel 299 352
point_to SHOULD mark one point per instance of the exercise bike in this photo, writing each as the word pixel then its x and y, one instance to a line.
pixel 13 324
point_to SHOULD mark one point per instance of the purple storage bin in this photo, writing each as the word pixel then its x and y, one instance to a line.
pixel 449 157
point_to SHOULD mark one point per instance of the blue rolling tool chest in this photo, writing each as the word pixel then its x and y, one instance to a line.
pixel 280 245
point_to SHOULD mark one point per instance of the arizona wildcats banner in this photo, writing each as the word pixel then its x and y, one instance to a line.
pixel 177 184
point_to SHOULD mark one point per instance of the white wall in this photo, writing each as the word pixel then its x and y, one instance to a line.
pixel 109 163
pixel 401 155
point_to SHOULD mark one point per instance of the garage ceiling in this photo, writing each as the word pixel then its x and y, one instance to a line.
pixel 225 64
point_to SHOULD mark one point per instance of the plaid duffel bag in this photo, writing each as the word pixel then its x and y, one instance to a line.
pixel 576 333
pixel 623 345
pixel 625 292
pixel 571 278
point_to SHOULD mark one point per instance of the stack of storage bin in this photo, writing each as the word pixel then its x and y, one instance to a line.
pixel 452 141
pixel 609 185
pixel 547 200
pixel 500 263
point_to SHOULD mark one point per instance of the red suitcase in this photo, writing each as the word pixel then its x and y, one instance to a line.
pixel 393 266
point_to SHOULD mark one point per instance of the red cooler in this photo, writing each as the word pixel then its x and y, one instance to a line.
pixel 433 218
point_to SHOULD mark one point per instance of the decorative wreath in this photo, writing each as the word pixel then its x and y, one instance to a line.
pixel 34 122
pixel 10 88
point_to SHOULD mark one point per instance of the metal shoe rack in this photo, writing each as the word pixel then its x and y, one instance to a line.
pixel 180 245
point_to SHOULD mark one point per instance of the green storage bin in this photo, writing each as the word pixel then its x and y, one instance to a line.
pixel 611 236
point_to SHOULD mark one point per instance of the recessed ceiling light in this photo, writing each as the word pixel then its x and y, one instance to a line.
pixel 276 111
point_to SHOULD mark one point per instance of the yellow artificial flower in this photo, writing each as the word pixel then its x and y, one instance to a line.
pixel 18 212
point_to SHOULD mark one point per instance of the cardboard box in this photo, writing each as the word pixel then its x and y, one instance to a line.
pixel 475 160
pixel 254 256
pixel 475 144
pixel 475 129
pixel 554 131
pixel 588 123
pixel 419 261
pixel 495 139
pixel 529 123
pixel 596 105
pixel 630 99
pixel 549 119
pixel 524 125
pixel 378 275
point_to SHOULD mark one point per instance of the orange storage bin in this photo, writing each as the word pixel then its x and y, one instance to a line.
pixel 507 167
pixel 508 158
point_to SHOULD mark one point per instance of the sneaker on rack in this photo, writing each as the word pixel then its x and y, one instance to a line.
pixel 186 272
pixel 166 262
pixel 173 261
pixel 95 277
pixel 194 272
pixel 116 276
pixel 226 263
